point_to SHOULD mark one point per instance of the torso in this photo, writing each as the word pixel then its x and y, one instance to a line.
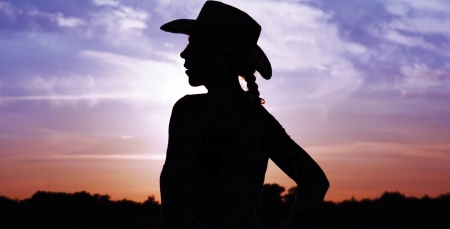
pixel 215 167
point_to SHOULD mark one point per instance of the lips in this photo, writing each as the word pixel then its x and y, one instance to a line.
pixel 187 72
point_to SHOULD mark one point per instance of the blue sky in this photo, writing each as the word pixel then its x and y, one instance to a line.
pixel 363 86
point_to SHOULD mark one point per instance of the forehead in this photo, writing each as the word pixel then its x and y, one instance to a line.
pixel 193 40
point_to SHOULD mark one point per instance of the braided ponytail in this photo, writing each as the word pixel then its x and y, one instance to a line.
pixel 253 93
pixel 248 73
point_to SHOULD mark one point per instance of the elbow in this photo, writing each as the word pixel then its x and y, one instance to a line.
pixel 324 186
pixel 320 186
pixel 324 183
pixel 319 183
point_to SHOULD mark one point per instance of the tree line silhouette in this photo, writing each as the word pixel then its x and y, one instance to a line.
pixel 84 210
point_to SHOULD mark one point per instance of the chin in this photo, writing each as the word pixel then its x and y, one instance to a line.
pixel 194 80
pixel 195 83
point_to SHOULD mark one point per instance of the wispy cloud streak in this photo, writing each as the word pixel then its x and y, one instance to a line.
pixel 109 157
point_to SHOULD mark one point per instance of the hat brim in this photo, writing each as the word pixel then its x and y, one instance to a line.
pixel 185 26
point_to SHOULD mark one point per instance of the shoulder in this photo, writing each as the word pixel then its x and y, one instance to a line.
pixel 270 122
pixel 188 102
pixel 265 114
pixel 189 99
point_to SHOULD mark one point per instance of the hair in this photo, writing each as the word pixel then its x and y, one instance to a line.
pixel 253 93
pixel 248 73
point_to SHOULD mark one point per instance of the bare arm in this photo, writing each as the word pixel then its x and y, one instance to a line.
pixel 309 177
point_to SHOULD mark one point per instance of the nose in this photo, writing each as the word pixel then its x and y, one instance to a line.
pixel 183 54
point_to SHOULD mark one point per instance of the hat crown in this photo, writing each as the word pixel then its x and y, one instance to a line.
pixel 226 25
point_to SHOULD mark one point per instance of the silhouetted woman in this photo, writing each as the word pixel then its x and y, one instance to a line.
pixel 220 142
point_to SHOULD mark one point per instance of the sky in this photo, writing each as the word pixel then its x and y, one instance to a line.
pixel 87 88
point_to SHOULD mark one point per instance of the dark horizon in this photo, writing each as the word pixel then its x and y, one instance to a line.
pixel 85 210
pixel 285 192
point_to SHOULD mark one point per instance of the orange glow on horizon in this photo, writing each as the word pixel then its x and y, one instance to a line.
pixel 138 179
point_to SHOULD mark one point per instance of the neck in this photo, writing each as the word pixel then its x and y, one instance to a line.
pixel 228 86
pixel 223 90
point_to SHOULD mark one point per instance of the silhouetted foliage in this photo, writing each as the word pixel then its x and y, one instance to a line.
pixel 272 212
pixel 84 210
pixel 78 210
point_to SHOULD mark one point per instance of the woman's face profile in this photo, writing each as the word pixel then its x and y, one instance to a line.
pixel 203 62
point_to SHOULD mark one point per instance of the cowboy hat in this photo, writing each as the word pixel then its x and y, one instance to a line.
pixel 229 27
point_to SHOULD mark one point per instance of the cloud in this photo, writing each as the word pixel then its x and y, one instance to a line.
pixel 429 6
pixel 40 141
pixel 68 84
pixel 415 23
pixel 66 90
pixel 60 19
pixel 340 81
pixel 382 151
pixel 427 25
pixel 10 11
pixel 419 76
pixel 390 37
pixel 123 18
pixel 128 137
pixel 422 26
pixel 169 9
pixel 105 2
pixel 67 21
pixel 108 157
pixel 418 17
pixel 122 24
pixel 59 100
pixel 100 20
pixel 413 41
pixel 58 90
pixel 397 8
